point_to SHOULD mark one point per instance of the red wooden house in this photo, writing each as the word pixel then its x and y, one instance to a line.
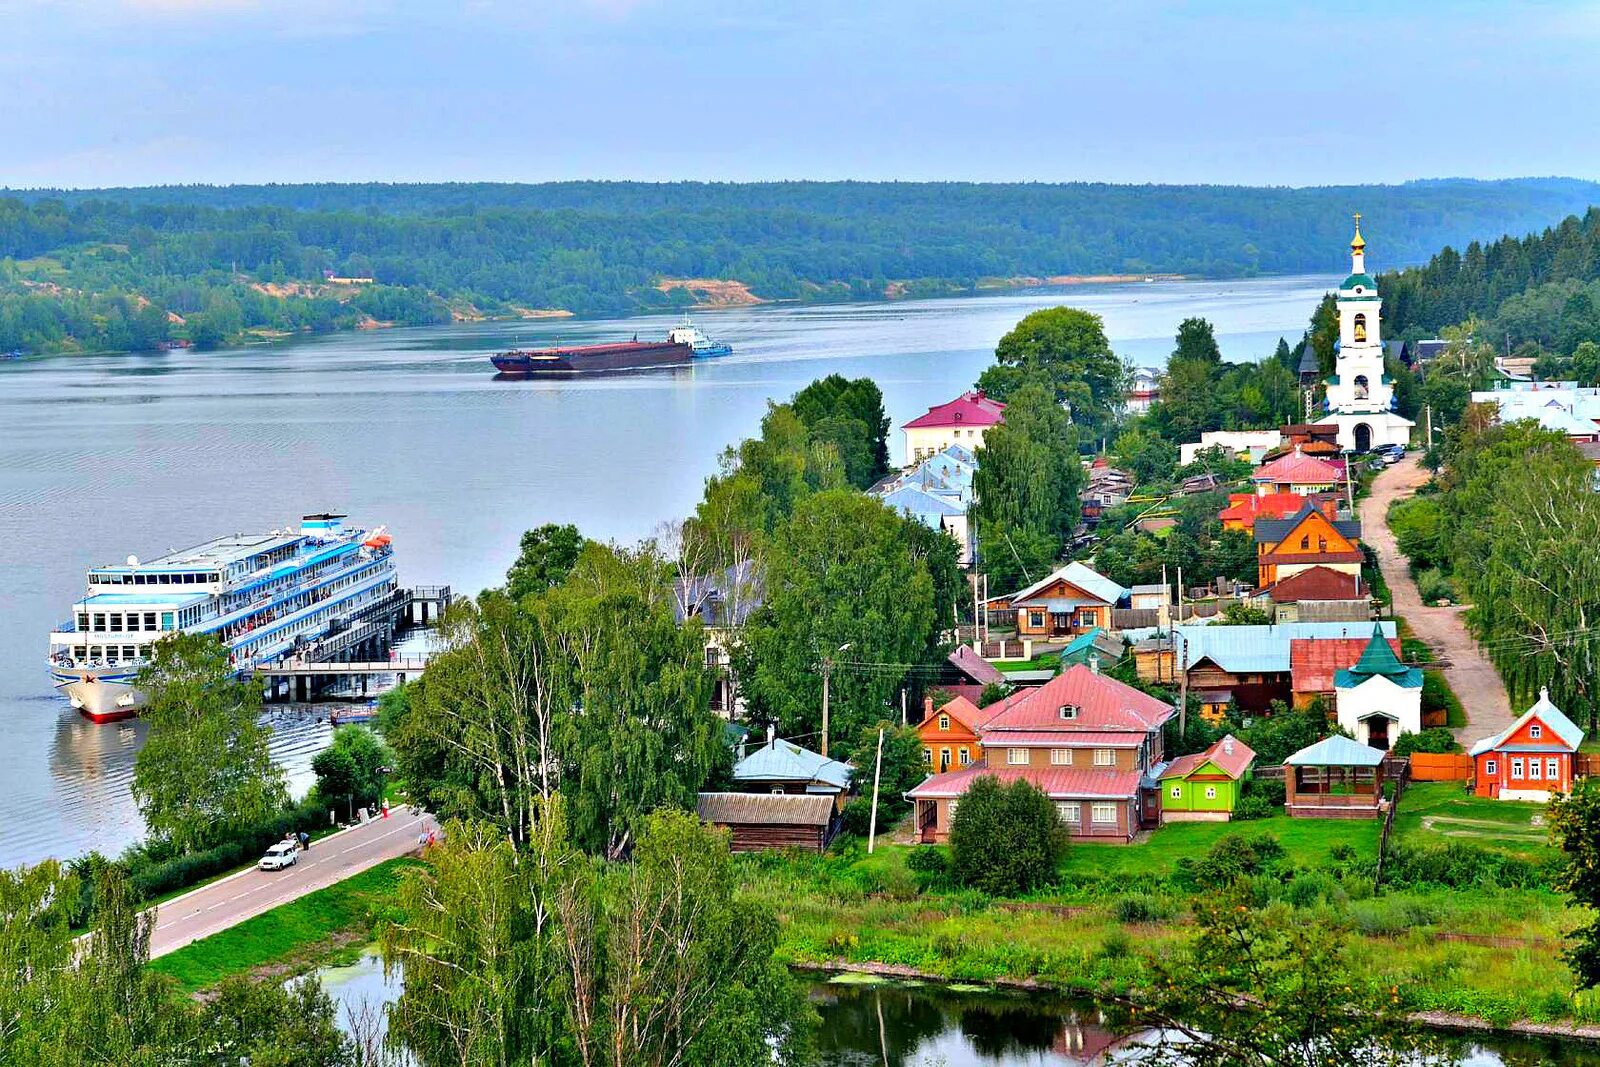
pixel 1532 759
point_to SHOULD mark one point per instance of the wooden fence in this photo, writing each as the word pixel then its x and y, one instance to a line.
pixel 1441 767
pixel 1585 764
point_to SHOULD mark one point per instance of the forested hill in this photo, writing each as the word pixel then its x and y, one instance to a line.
pixel 127 268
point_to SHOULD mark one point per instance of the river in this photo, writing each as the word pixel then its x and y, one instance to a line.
pixel 917 1025
pixel 106 456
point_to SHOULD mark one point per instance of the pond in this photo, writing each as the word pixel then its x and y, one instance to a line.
pixel 898 1024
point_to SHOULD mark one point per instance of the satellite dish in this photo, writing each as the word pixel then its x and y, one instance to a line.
pixel 133 561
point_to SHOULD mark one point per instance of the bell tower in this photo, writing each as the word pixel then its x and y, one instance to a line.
pixel 1360 394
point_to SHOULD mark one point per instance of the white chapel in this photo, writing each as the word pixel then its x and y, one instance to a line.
pixel 1360 395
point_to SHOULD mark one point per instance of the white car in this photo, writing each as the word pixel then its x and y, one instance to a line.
pixel 283 854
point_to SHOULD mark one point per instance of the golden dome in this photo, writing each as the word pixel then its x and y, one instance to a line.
pixel 1357 243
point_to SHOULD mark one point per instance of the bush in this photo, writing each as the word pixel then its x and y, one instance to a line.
pixel 1233 857
pixel 1458 865
pixel 1390 916
pixel 1141 908
pixel 1006 839
pixel 153 870
pixel 1253 806
pixel 857 817
pixel 1434 585
pixel 929 864
pixel 1437 739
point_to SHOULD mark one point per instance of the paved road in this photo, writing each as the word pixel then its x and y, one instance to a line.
pixel 238 897
pixel 1470 674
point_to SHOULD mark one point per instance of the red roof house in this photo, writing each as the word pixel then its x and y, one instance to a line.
pixel 962 421
pixel 1297 473
pixel 1314 661
pixel 1316 583
pixel 968 409
pixel 1086 740
pixel 1245 508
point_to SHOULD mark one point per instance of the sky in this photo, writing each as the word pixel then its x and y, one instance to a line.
pixel 1259 92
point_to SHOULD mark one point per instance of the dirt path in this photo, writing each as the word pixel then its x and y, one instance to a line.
pixel 1474 679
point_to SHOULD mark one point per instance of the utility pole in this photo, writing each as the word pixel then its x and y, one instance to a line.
pixel 827 670
pixel 1430 427
pixel 872 820
pixel 1349 490
pixel 1179 666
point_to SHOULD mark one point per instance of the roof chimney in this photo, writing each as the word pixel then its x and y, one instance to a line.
pixel 1094 663
pixel 927 707
pixel 1227 745
pixel 772 732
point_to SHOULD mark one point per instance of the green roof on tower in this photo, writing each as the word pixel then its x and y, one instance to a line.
pixel 1363 280
pixel 1378 658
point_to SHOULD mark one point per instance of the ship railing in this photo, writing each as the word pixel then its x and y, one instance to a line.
pixel 69 626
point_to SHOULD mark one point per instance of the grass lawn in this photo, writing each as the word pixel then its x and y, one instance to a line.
pixel 1307 842
pixel 1436 812
pixel 1045 662
pixel 290 933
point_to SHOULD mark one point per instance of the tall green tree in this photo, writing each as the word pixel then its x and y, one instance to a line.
pixel 841 572
pixel 848 413
pixel 1006 839
pixel 205 768
pixel 1028 478
pixel 1066 349
pixel 547 555
pixel 1574 822
pixel 353 770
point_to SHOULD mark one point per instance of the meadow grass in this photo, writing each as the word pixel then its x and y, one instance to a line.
pixel 1432 813
pixel 290 932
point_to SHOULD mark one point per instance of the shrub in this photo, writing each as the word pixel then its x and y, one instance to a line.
pixel 1312 888
pixel 1437 739
pixel 1116 946
pixel 1458 865
pixel 1006 839
pixel 1234 856
pixel 153 870
pixel 930 866
pixel 1141 908
pixel 857 817
pixel 1389 916
pixel 1253 806
pixel 1433 585
pixel 1342 851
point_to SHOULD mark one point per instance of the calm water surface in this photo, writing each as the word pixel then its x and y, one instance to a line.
pixel 932 1026
pixel 106 456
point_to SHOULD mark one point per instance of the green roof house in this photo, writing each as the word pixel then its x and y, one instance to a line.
pixel 1205 786
pixel 1378 698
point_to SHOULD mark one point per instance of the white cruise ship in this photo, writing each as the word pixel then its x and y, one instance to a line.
pixel 264 595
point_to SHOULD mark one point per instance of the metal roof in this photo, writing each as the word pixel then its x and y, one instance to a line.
pixel 1337 751
pixel 1546 713
pixel 771 809
pixel 1077 574
pixel 1259 649
pixel 784 761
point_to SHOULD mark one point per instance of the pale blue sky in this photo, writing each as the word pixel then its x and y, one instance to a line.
pixel 115 92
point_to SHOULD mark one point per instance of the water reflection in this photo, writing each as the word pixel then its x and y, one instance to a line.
pixel 915 1025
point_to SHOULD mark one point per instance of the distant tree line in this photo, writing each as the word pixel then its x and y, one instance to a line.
pixel 109 269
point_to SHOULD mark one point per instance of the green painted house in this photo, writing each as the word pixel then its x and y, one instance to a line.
pixel 1205 786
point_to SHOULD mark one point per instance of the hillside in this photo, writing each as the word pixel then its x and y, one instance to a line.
pixel 131 268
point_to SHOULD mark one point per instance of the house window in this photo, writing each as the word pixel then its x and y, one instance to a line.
pixel 1535 731
pixel 1017 756
pixel 953 804
pixel 1211 792
pixel 1489 767
pixel 1036 619
pixel 944 723
pixel 1177 792
pixel 1533 768
pixel 1552 769
pixel 711 655
pixel 927 755
pixel 1516 769
pixel 1069 711
pixel 1103 814
pixel 1068 810
pixel 1105 757
pixel 1061 757
pixel 963 757
pixel 1305 542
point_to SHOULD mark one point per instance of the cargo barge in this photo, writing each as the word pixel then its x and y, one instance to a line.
pixel 684 345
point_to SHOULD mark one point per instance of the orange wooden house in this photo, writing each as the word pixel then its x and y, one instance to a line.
pixel 950 734
pixel 1306 539
pixel 1068 602
pixel 1532 759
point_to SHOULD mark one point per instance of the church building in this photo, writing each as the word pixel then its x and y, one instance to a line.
pixel 1360 394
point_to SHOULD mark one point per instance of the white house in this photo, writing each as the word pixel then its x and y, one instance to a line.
pixel 1249 444
pixel 1360 394
pixel 1379 698
pixel 963 421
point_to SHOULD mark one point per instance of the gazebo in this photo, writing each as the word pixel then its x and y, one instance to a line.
pixel 1336 778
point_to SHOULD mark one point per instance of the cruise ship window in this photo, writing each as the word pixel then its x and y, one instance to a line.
pixel 99 622
pixel 116 622
pixel 149 620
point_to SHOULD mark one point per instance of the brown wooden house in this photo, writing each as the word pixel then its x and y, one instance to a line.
pixel 1066 603
pixel 760 821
